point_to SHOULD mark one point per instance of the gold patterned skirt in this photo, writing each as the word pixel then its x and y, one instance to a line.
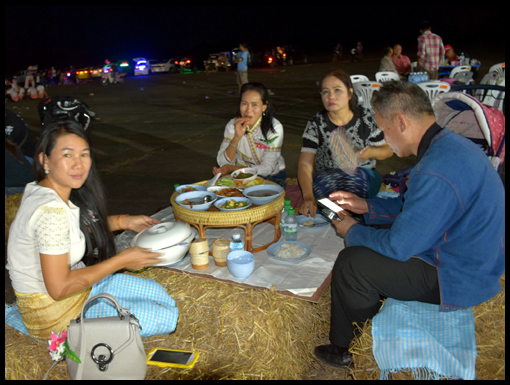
pixel 42 315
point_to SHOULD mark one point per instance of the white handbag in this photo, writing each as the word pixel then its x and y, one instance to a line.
pixel 109 348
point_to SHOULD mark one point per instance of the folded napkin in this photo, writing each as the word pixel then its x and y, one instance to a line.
pixel 416 337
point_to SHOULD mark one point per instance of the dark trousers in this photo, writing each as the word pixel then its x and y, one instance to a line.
pixel 361 277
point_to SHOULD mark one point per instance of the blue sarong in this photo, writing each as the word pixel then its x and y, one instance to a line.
pixel 144 297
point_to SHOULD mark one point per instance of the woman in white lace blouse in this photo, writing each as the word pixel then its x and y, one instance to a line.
pixel 61 219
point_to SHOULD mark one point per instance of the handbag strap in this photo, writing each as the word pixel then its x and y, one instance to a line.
pixel 81 319
pixel 122 312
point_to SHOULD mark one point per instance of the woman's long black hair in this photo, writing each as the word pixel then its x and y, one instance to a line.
pixel 90 198
pixel 266 125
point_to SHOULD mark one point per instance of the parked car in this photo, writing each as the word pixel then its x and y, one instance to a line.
pixel 165 65
pixel 96 71
pixel 217 62
pixel 83 73
pixel 186 64
pixel 142 66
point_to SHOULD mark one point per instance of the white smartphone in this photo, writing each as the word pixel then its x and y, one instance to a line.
pixel 330 209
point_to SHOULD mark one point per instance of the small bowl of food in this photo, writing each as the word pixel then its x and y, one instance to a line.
pixel 185 188
pixel 263 193
pixel 232 204
pixel 244 175
pixel 196 200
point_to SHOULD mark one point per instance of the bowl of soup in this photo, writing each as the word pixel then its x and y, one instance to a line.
pixel 263 193
pixel 196 200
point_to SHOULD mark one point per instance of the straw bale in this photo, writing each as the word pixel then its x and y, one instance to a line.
pixel 240 333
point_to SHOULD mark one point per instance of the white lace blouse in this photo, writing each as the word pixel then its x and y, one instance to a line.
pixel 44 224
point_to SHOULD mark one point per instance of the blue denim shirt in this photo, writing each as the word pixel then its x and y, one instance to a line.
pixel 452 216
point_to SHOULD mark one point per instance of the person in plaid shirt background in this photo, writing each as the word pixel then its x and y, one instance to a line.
pixel 430 51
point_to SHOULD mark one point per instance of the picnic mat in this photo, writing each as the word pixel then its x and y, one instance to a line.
pixel 417 337
pixel 305 279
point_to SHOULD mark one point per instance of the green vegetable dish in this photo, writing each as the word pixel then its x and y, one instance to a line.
pixel 233 204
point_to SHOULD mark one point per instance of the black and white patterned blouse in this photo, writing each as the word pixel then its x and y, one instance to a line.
pixel 362 132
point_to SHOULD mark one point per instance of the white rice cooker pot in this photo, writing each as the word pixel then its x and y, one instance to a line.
pixel 171 238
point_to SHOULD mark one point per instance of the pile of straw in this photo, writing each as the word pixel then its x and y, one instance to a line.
pixel 240 333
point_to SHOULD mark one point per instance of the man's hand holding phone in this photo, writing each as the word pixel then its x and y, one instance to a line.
pixel 350 202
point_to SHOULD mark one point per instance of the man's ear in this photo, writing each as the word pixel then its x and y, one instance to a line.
pixel 402 123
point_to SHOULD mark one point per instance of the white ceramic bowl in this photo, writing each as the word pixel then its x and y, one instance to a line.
pixel 275 189
pixel 182 187
pixel 236 173
pixel 196 195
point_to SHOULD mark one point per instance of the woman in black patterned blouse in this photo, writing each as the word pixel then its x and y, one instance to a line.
pixel 340 146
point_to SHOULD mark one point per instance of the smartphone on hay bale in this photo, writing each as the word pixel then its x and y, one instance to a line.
pixel 172 358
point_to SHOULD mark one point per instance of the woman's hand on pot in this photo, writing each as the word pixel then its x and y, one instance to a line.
pixel 138 223
pixel 136 258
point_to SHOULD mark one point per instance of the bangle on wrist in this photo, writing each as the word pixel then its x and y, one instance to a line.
pixel 120 222
pixel 232 144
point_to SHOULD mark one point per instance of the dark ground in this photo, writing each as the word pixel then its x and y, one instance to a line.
pixel 155 131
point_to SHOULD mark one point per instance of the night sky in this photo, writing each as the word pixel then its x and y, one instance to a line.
pixel 63 35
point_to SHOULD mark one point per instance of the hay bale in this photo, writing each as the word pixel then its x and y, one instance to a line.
pixel 241 333
pixel 490 344
pixel 12 203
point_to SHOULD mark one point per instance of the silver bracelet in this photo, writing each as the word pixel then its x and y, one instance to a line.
pixel 232 144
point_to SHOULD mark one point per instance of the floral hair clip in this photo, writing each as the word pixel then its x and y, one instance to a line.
pixel 92 215
pixel 59 348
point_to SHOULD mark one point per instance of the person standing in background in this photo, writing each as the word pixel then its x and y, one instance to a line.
pixel 242 65
pixel 430 51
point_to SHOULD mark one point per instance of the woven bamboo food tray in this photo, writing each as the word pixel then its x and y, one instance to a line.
pixel 248 218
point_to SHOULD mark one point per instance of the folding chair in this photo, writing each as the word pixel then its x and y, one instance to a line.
pixel 364 90
pixel 358 78
pixel 432 89
pixel 385 76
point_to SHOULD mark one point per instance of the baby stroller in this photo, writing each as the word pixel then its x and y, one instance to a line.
pixel 467 116
pixel 65 107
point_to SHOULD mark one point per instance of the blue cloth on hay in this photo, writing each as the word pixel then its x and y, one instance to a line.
pixel 417 337
pixel 144 297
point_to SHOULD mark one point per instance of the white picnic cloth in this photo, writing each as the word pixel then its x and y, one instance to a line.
pixel 301 278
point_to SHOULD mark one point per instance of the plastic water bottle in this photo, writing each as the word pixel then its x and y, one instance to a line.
pixel 285 211
pixel 290 227
pixel 236 243
pixel 461 59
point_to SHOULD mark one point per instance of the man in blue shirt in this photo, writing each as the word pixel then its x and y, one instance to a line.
pixel 242 65
pixel 446 244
